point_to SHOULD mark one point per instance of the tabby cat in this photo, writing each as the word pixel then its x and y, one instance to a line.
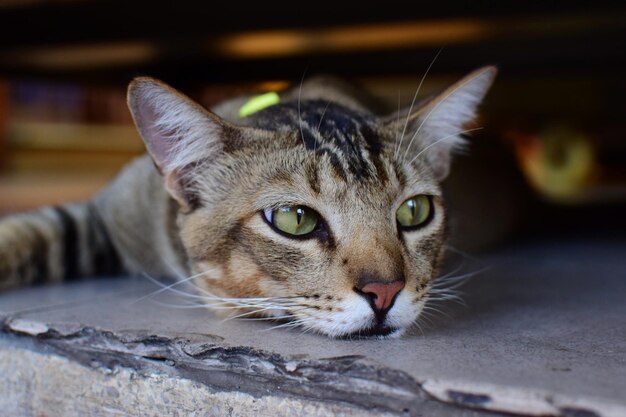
pixel 315 210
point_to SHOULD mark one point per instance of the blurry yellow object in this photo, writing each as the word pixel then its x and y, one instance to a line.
pixel 560 162
pixel 258 103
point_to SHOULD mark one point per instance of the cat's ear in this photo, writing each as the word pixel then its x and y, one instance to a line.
pixel 433 129
pixel 177 132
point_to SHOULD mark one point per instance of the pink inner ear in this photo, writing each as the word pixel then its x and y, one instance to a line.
pixel 439 160
pixel 158 142
pixel 176 131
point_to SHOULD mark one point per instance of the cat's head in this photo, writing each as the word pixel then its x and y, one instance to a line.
pixel 326 216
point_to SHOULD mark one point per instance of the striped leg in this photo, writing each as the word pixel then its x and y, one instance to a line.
pixel 54 244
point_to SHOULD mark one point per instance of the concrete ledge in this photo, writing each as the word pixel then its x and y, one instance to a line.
pixel 202 360
pixel 34 391
pixel 544 333
pixel 100 373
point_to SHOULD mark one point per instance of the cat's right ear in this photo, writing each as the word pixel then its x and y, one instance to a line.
pixel 434 128
pixel 177 132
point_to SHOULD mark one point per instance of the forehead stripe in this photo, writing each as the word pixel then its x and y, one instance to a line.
pixel 346 136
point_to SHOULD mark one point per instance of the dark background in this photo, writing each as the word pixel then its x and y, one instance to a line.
pixel 561 83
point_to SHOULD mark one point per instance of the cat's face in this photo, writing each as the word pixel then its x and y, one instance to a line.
pixel 321 215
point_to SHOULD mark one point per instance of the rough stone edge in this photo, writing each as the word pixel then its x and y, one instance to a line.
pixel 33 391
pixel 204 359
pixel 349 380
pixel 529 402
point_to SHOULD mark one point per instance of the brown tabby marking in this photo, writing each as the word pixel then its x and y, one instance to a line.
pixel 196 206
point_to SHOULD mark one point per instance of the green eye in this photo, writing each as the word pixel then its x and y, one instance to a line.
pixel 414 212
pixel 297 221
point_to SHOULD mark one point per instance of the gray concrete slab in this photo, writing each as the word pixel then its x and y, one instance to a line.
pixel 543 332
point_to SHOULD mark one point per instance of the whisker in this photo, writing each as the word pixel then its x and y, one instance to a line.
pixel 299 114
pixel 322 117
pixel 435 108
pixel 223 303
pixel 427 318
pixel 436 142
pixel 444 299
pixel 233 305
pixel 269 318
pixel 307 329
pixel 397 125
pixel 249 313
pixel 229 305
pixel 165 288
pixel 173 269
pixel 417 325
pixel 452 282
pixel 174 290
pixel 295 323
pixel 266 308
pixel 259 298
pixel 444 289
pixel 408 116
pixel 202 290
pixel 451 273
pixel 435 310
pixel 462 253
pixel 443 295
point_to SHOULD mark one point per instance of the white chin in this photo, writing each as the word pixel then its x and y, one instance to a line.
pixel 356 320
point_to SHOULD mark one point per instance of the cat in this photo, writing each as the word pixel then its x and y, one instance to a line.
pixel 315 209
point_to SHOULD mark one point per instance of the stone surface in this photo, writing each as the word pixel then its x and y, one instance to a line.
pixel 92 392
pixel 543 332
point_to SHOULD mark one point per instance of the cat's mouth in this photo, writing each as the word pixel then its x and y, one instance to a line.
pixel 377 330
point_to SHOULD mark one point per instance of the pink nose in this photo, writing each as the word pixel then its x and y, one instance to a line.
pixel 383 293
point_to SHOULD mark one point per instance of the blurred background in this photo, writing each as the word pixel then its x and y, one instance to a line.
pixel 551 159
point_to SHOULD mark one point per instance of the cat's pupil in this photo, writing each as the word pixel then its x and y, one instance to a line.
pixel 299 214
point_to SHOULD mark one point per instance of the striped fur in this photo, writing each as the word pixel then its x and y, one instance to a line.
pixel 194 205
pixel 44 246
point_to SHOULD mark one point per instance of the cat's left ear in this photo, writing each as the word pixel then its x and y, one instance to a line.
pixel 433 129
